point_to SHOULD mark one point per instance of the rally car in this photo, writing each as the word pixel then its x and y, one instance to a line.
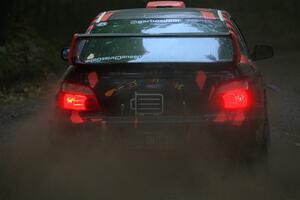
pixel 164 72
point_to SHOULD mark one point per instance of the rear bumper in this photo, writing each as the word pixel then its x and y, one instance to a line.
pixel 234 118
pixel 236 132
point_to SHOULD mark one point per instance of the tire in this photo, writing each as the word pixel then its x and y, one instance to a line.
pixel 69 138
pixel 260 159
pixel 266 135
pixel 59 136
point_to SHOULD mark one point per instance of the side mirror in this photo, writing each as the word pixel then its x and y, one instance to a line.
pixel 261 52
pixel 64 54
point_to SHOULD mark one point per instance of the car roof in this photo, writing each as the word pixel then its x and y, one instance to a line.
pixel 166 13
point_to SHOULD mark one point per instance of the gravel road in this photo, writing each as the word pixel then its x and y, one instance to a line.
pixel 29 170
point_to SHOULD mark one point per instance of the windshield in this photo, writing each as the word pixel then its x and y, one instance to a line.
pixel 160 26
pixel 155 49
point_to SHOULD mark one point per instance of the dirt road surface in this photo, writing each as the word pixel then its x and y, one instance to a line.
pixel 29 170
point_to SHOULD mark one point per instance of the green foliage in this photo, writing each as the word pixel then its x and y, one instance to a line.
pixel 26 57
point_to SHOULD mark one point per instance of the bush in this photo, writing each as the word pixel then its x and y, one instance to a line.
pixel 26 57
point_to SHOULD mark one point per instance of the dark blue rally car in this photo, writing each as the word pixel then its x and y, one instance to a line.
pixel 164 73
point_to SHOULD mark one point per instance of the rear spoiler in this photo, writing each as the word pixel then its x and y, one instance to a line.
pixel 73 55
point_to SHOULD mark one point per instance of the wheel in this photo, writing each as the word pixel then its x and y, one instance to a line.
pixel 260 159
pixel 264 143
pixel 62 137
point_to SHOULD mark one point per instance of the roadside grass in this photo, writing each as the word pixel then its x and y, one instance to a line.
pixel 29 90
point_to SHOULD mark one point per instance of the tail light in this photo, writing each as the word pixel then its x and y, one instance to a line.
pixel 233 95
pixel 77 97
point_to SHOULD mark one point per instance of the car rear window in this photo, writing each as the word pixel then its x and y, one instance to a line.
pixel 155 49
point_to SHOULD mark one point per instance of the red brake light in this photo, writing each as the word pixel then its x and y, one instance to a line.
pixel 233 95
pixel 74 101
pixel 166 4
pixel 77 97
pixel 208 15
pixel 235 99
